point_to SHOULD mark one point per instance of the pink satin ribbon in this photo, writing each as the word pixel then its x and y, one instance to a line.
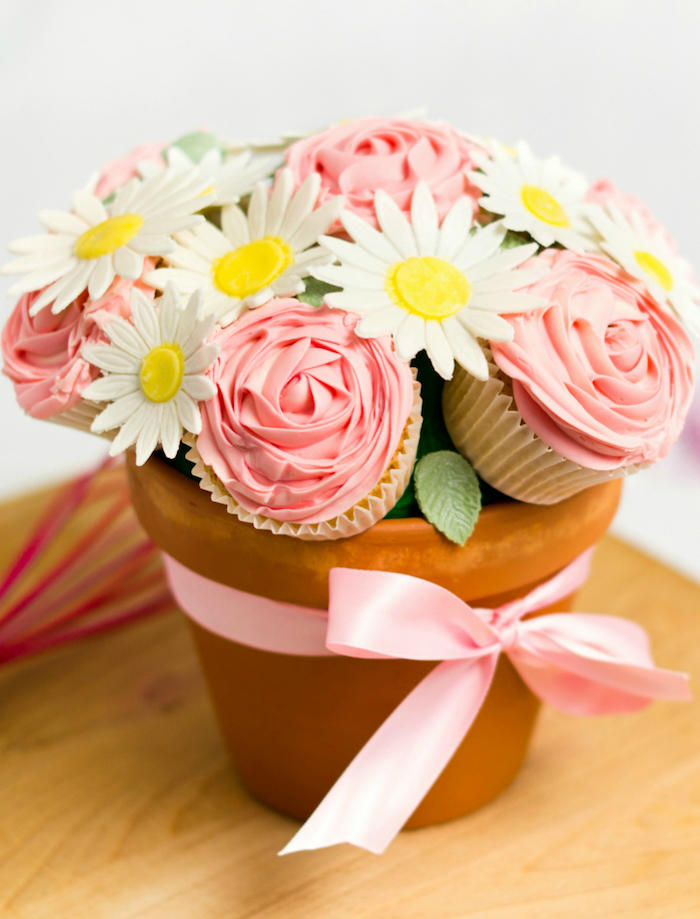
pixel 582 663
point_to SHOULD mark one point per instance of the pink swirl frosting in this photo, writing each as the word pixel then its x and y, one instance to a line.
pixel 358 158
pixel 41 353
pixel 307 415
pixel 118 172
pixel 602 374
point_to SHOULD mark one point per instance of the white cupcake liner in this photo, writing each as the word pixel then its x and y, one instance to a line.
pixel 81 416
pixel 358 518
pixel 487 428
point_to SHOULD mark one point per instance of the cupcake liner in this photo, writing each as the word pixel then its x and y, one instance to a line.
pixel 81 416
pixel 486 427
pixel 358 518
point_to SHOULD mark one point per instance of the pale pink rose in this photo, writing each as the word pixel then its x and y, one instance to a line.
pixel 118 172
pixel 41 353
pixel 358 158
pixel 603 375
pixel 307 416
pixel 604 192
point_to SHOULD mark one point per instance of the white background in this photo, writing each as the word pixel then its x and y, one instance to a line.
pixel 613 87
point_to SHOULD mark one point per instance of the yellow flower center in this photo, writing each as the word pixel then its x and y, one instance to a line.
pixel 108 236
pixel 429 287
pixel 546 208
pixel 248 269
pixel 654 268
pixel 161 372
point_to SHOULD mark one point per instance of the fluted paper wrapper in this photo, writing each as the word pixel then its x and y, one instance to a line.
pixel 358 518
pixel 81 417
pixel 487 428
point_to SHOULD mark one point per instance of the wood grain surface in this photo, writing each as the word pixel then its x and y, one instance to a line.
pixel 117 800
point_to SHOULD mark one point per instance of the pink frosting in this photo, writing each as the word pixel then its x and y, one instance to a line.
pixel 604 192
pixel 117 172
pixel 602 374
pixel 307 416
pixel 41 353
pixel 359 157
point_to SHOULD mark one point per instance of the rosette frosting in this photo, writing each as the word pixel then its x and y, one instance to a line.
pixel 359 157
pixel 603 375
pixel 41 353
pixel 307 417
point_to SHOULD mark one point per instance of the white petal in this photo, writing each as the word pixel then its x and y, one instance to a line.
pixel 301 205
pixel 394 225
pixel 118 413
pixel 279 201
pixel 466 349
pixel 202 359
pixel 35 280
pixel 424 219
pixel 189 317
pixel 61 222
pixel 288 285
pixel 89 207
pixel 454 231
pixel 125 337
pixel 128 264
pixel 357 301
pixel 316 224
pixel 199 388
pixel 111 387
pixel 347 277
pixel 149 435
pixel 72 286
pixel 507 303
pixel 111 359
pixel 169 312
pixel 235 226
pixel 353 255
pixel 145 320
pixel 410 338
pixel 170 429
pixel 374 242
pixel 257 210
pixel 189 413
pixel 101 277
pixel 486 325
pixel 44 243
pixel 439 350
pixel 480 246
pixel 503 260
pixel 384 321
pixel 152 245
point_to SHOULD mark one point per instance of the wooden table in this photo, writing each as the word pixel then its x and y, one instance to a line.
pixel 117 799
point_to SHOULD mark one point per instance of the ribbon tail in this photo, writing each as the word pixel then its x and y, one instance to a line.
pixel 389 777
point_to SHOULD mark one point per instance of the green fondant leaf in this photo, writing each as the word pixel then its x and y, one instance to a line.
pixel 315 291
pixel 513 239
pixel 197 145
pixel 447 490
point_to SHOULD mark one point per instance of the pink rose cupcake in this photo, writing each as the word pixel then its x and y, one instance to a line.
pixel 313 431
pixel 42 353
pixel 357 158
pixel 594 386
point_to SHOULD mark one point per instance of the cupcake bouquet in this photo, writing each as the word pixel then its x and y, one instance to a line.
pixel 269 322
pixel 386 319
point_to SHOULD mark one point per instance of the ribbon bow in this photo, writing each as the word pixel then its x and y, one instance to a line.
pixel 582 663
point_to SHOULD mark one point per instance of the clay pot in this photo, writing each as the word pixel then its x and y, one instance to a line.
pixel 292 724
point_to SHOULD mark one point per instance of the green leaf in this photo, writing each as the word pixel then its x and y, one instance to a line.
pixel 198 144
pixel 513 239
pixel 447 490
pixel 315 291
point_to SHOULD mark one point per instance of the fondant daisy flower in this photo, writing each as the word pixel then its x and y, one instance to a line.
pixel 539 197
pixel 153 373
pixel 228 180
pixel 89 246
pixel 646 256
pixel 256 257
pixel 433 288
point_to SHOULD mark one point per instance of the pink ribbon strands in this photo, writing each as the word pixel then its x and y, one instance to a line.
pixel 582 663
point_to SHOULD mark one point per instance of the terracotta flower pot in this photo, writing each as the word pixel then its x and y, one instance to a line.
pixel 292 724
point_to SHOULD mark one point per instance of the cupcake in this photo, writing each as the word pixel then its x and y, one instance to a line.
pixel 313 431
pixel 593 386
